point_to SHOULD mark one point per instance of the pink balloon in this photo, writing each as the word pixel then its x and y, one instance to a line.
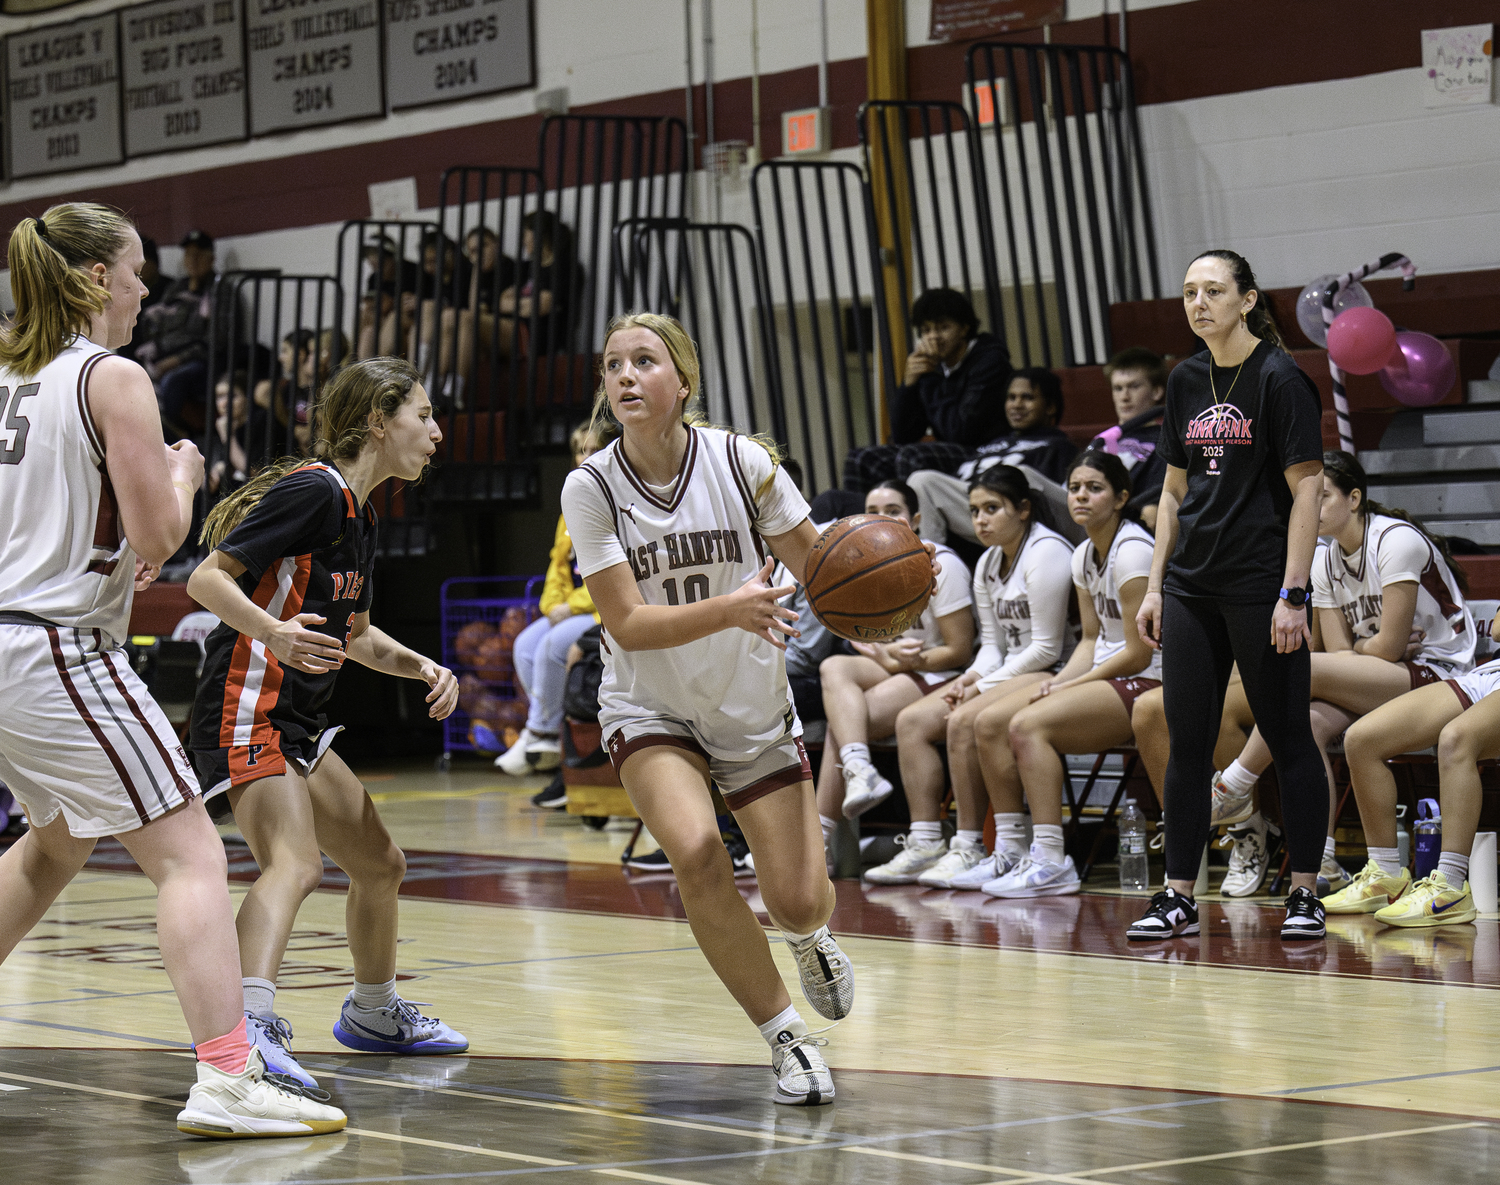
pixel 1361 341
pixel 1423 374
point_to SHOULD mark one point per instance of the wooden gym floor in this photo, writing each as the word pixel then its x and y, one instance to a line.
pixel 991 1041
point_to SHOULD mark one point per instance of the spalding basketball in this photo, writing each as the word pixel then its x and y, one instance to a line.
pixel 868 578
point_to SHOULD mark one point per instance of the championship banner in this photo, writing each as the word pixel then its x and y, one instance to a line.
pixel 63 86
pixel 971 20
pixel 441 50
pixel 184 75
pixel 313 62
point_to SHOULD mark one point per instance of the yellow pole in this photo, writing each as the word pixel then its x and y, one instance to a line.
pixel 885 23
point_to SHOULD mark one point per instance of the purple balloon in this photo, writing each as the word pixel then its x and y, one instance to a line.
pixel 1425 373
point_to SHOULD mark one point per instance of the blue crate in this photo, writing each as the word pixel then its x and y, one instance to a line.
pixel 478 598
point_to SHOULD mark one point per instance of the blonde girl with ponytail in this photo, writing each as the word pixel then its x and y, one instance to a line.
pixel 289 577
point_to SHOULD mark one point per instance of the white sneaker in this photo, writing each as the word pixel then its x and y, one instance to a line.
pixel 990 868
pixel 1249 860
pixel 544 753
pixel 513 760
pixel 234 1106
pixel 1332 878
pixel 863 788
pixel 1035 876
pixel 960 858
pixel 826 973
pixel 915 858
pixel 272 1035
pixel 802 1077
pixel 1229 806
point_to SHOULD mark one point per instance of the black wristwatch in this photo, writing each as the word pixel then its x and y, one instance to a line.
pixel 1296 597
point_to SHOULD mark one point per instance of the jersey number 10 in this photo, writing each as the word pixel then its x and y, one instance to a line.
pixel 695 587
pixel 15 422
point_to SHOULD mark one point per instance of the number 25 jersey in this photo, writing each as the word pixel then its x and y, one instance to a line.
pixel 702 536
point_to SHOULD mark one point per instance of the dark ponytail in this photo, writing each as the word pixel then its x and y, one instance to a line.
pixel 1008 482
pixel 1259 320
pixel 1348 475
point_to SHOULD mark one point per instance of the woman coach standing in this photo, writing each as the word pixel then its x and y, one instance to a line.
pixel 1238 521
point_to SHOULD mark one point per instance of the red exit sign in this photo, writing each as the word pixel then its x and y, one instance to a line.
pixel 804 131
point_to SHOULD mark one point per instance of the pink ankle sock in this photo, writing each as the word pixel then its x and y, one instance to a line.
pixel 229 1052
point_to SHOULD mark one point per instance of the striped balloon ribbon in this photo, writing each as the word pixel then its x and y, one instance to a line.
pixel 1340 396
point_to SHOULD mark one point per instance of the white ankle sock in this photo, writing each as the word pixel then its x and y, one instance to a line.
pixel 1455 868
pixel 969 839
pixel 1010 831
pixel 370 996
pixel 926 832
pixel 1389 860
pixel 260 995
pixel 1330 848
pixel 1238 778
pixel 829 827
pixel 794 938
pixel 854 755
pixel 786 1021
pixel 1047 838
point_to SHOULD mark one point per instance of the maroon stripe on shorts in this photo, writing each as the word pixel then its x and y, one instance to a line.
pixel 109 750
pixel 619 749
pixel 161 750
pixel 1463 696
pixel 792 775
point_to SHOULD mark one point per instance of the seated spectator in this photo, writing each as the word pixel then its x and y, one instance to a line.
pixel 1022 586
pixel 1138 385
pixel 813 642
pixel 390 274
pixel 491 273
pixel 1033 407
pixel 156 285
pixel 1086 707
pixel 291 388
pixel 175 352
pixel 955 388
pixel 541 649
pixel 1461 717
pixel 864 692
pixel 239 428
pixel 1390 618
pixel 549 287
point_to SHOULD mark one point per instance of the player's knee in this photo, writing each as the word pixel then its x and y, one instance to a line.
pixel 1025 733
pixel 1365 741
pixel 385 867
pixel 701 862
pixel 1458 744
pixel 1148 716
pixel 991 730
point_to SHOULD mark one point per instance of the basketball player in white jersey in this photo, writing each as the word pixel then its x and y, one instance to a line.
pixel 1085 707
pixel 675 526
pixel 1022 586
pixel 82 470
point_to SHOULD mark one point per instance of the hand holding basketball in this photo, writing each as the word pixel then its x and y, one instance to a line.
pixel 753 607
pixel 295 645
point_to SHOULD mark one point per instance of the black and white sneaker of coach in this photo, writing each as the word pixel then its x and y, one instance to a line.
pixel 1170 915
pixel 1304 916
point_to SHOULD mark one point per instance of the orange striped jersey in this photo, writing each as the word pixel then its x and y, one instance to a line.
pixel 307 548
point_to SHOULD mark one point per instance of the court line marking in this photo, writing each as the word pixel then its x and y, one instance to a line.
pixel 114 1094
pixel 93 995
pixel 574 1108
pixel 1381 1081
pixel 1018 1175
pixel 497 1153
pixel 1275 1148
pixel 45 1024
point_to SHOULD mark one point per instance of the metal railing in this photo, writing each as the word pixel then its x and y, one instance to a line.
pixel 1060 151
pixel 816 229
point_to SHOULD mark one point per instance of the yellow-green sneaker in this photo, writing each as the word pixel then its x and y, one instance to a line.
pixel 1432 901
pixel 1371 889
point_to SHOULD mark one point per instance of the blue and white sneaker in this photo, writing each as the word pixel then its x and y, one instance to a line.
pixel 1035 876
pixel 398 1029
pixel 272 1035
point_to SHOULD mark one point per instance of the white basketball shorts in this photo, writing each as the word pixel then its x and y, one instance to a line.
pixel 80 734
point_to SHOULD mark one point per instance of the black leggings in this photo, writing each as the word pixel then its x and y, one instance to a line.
pixel 1202 638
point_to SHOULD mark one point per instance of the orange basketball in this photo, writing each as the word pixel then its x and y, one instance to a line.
pixel 868 578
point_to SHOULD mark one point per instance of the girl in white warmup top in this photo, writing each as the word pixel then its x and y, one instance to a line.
pixel 863 692
pixel 1390 618
pixel 1022 586
pixel 671 524
pixel 1085 707
pixel 82 744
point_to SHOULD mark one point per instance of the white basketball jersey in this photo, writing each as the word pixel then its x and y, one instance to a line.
pixel 954 591
pixel 1028 602
pixel 1394 551
pixel 62 557
pixel 701 537
pixel 1129 559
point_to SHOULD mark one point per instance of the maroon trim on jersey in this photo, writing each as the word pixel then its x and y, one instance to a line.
pixel 792 775
pixel 135 710
pixel 614 511
pixel 85 412
pixel 689 458
pixel 737 472
pixel 106 527
pixel 78 704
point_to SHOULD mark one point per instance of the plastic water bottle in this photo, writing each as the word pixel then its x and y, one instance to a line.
pixel 1428 834
pixel 1134 873
pixel 1403 836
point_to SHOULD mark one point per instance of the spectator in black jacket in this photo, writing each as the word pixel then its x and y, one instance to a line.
pixel 955 387
pixel 175 353
pixel 1138 385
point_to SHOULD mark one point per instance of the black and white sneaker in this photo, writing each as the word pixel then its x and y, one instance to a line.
pixel 1170 915
pixel 1304 916
pixel 739 853
pixel 802 1077
pixel 551 797
pixel 827 974
pixel 651 862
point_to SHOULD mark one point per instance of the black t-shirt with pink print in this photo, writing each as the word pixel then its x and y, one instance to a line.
pixel 1235 446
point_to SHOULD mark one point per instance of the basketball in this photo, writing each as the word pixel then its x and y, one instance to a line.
pixel 868 578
